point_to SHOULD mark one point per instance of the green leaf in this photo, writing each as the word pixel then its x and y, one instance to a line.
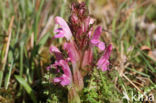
pixel 26 86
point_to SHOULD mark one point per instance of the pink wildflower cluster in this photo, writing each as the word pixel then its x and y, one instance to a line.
pixel 80 40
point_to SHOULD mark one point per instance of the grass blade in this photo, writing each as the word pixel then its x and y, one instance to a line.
pixel 26 86
pixel 21 58
pixel 4 60
pixel 8 75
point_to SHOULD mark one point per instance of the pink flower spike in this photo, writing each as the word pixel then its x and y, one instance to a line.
pixel 72 51
pixel 103 62
pixel 57 52
pixel 64 30
pixel 95 39
pixel 66 78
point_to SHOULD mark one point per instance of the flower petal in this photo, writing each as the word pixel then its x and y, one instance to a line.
pixel 66 78
pixel 65 81
pixel 72 51
pixel 57 79
pixel 97 33
pixel 59 33
pixel 104 66
pixel 65 68
pixel 64 26
pixel 95 39
pixel 103 62
pixel 57 52
pixel 101 45
pixel 58 36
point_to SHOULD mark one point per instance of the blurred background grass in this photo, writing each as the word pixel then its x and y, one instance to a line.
pixel 26 29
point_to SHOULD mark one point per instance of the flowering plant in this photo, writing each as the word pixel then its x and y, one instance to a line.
pixel 80 40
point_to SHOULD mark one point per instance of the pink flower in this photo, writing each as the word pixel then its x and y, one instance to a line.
pixel 57 52
pixel 95 39
pixel 72 51
pixel 66 78
pixel 103 62
pixel 64 30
